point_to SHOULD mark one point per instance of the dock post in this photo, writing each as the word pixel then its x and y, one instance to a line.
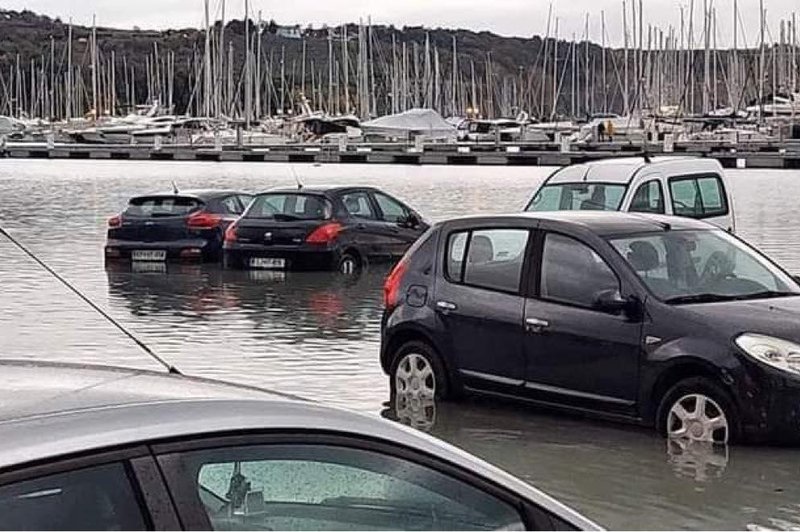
pixel 51 140
pixel 157 143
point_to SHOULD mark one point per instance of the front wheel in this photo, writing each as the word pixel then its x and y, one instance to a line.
pixel 698 410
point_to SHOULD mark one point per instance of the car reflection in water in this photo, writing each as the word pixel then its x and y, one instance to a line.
pixel 605 469
pixel 276 303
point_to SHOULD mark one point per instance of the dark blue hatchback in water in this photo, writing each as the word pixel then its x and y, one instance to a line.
pixel 175 226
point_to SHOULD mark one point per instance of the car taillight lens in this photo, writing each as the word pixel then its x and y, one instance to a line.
pixel 391 288
pixel 325 234
pixel 230 233
pixel 115 222
pixel 203 220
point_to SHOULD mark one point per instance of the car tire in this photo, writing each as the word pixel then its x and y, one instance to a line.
pixel 349 264
pixel 420 360
pixel 691 410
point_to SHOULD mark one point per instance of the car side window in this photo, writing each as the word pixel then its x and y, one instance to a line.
pixel 698 196
pixel 649 197
pixel 392 210
pixel 573 273
pixel 488 258
pixel 245 200
pixel 328 487
pixel 358 205
pixel 232 205
pixel 95 498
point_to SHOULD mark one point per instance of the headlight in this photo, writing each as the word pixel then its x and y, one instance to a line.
pixel 780 354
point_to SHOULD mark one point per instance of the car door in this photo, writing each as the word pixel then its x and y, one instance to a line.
pixel 396 225
pixel 703 197
pixel 121 490
pixel 316 481
pixel 480 306
pixel 576 354
pixel 366 228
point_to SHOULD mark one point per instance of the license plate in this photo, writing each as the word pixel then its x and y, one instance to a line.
pixel 267 263
pixel 149 254
pixel 149 267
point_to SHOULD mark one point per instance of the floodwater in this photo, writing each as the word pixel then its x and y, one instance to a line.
pixel 317 335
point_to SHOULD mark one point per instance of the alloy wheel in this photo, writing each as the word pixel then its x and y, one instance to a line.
pixel 414 377
pixel 697 417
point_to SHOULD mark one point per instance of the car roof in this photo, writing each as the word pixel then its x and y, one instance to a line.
pixel 602 223
pixel 51 410
pixel 623 169
pixel 202 194
pixel 318 189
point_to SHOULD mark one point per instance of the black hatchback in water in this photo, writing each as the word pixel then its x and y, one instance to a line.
pixel 667 322
pixel 339 228
pixel 182 226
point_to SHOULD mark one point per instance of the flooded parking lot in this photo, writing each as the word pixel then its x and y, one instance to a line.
pixel 317 335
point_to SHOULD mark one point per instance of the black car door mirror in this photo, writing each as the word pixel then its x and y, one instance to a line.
pixel 610 301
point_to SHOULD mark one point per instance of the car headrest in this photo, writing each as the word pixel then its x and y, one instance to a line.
pixel 481 249
pixel 643 256
pixel 352 204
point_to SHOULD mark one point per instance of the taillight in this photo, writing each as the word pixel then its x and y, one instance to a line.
pixel 230 233
pixel 325 234
pixel 115 222
pixel 391 288
pixel 203 220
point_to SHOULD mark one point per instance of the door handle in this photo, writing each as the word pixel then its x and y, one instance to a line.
pixel 446 306
pixel 361 226
pixel 536 325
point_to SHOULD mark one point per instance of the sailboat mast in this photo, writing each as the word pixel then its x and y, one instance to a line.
pixel 207 65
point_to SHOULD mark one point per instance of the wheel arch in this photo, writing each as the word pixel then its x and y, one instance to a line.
pixel 678 370
pixel 407 334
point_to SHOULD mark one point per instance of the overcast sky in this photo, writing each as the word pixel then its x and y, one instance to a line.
pixel 506 17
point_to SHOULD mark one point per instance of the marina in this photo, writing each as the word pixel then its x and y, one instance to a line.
pixel 765 154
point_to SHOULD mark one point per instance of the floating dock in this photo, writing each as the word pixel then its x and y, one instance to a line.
pixel 778 155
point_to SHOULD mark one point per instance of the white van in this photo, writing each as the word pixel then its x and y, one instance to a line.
pixel 681 186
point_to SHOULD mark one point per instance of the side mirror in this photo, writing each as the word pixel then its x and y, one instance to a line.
pixel 611 301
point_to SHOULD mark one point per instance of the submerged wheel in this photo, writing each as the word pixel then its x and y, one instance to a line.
pixel 349 264
pixel 418 373
pixel 698 410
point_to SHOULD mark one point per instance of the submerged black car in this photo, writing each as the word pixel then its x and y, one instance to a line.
pixel 341 228
pixel 182 226
pixel 667 322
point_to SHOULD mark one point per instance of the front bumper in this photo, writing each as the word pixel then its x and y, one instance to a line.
pixel 769 405
pixel 186 249
pixel 298 258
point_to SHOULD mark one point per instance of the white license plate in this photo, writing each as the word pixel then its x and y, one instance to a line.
pixel 267 263
pixel 149 254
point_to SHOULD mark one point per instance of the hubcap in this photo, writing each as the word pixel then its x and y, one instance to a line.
pixel 414 377
pixel 697 417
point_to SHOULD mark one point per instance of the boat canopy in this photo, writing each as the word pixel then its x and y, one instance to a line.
pixel 412 123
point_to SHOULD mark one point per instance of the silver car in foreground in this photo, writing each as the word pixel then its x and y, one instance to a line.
pixel 86 447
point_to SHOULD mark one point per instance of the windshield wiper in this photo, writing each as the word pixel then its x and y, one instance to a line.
pixel 767 294
pixel 699 298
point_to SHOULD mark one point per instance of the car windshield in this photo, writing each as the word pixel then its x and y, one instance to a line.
pixel 697 266
pixel 162 206
pixel 290 207
pixel 578 197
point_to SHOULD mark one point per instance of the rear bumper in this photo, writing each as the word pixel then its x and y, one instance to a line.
pixel 186 249
pixel 298 258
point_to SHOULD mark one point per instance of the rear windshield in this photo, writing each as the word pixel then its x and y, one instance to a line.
pixel 160 206
pixel 578 197
pixel 290 207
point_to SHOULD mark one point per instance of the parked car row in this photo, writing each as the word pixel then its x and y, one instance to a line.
pixel 333 228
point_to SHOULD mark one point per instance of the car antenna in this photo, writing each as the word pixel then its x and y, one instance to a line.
pixel 115 323
pixel 175 188
pixel 296 179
